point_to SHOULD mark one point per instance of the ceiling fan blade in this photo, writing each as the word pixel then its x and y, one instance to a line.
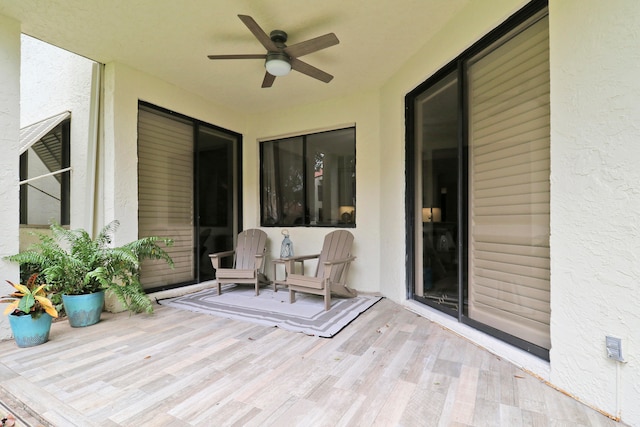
pixel 268 80
pixel 248 56
pixel 259 33
pixel 311 45
pixel 310 70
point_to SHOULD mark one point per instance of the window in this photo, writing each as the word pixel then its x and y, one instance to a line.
pixel 478 157
pixel 309 180
pixel 45 171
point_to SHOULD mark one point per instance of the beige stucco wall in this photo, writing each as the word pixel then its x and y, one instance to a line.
pixel 595 201
pixel 9 165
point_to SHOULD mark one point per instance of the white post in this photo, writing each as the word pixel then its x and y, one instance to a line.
pixel 9 160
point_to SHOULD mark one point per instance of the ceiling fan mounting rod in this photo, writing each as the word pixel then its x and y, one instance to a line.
pixel 278 36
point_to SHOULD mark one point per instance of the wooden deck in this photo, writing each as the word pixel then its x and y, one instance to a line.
pixel 389 367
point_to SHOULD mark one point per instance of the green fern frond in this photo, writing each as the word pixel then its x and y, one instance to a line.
pixel 133 298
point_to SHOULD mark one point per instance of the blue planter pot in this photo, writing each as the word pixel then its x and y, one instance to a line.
pixel 83 310
pixel 28 331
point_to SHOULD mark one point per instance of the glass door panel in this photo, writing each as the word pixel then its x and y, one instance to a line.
pixel 217 209
pixel 437 281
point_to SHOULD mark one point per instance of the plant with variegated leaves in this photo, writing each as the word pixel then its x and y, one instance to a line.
pixel 29 299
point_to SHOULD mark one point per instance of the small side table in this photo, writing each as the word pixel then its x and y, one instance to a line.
pixel 276 282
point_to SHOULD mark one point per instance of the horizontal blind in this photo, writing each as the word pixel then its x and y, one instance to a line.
pixel 509 159
pixel 165 195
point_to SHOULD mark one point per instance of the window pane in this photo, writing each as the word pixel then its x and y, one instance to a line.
pixel 331 173
pixel 282 178
pixel 216 158
pixel 437 177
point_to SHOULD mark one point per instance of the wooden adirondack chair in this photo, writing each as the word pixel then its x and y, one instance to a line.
pixel 248 262
pixel 331 271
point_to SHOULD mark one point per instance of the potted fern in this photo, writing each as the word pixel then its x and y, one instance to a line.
pixel 30 312
pixel 81 269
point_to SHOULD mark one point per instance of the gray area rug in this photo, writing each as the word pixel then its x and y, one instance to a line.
pixel 306 315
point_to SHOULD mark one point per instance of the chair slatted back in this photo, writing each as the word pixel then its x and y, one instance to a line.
pixel 250 243
pixel 337 245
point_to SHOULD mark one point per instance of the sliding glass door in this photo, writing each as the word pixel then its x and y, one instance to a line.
pixel 188 174
pixel 478 156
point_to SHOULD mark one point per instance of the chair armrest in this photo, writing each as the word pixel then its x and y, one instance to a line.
pixel 339 261
pixel 222 254
pixel 301 257
pixel 215 258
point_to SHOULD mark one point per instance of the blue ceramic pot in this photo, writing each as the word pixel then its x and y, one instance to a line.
pixel 83 310
pixel 28 331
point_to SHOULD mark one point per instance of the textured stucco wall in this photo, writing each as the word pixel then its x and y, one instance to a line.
pixel 9 165
pixel 595 201
pixel 54 80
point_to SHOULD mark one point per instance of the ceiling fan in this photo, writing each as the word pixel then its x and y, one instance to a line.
pixel 280 58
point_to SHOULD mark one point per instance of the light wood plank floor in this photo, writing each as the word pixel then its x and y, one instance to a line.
pixel 389 367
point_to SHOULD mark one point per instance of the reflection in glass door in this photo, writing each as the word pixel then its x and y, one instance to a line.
pixel 436 139
pixel 216 157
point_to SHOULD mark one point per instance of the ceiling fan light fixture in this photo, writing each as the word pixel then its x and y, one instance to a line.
pixel 277 64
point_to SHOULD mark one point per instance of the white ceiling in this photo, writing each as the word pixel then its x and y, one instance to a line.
pixel 171 40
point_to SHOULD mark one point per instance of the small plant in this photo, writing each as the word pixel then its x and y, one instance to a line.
pixel 29 299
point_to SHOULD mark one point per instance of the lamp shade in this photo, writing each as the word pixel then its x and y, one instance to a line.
pixel 346 213
pixel 431 215
pixel 277 64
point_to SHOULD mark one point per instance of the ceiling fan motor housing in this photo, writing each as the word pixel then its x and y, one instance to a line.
pixel 278 36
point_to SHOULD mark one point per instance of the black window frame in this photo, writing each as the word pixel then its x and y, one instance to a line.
pixel 346 221
pixel 64 130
